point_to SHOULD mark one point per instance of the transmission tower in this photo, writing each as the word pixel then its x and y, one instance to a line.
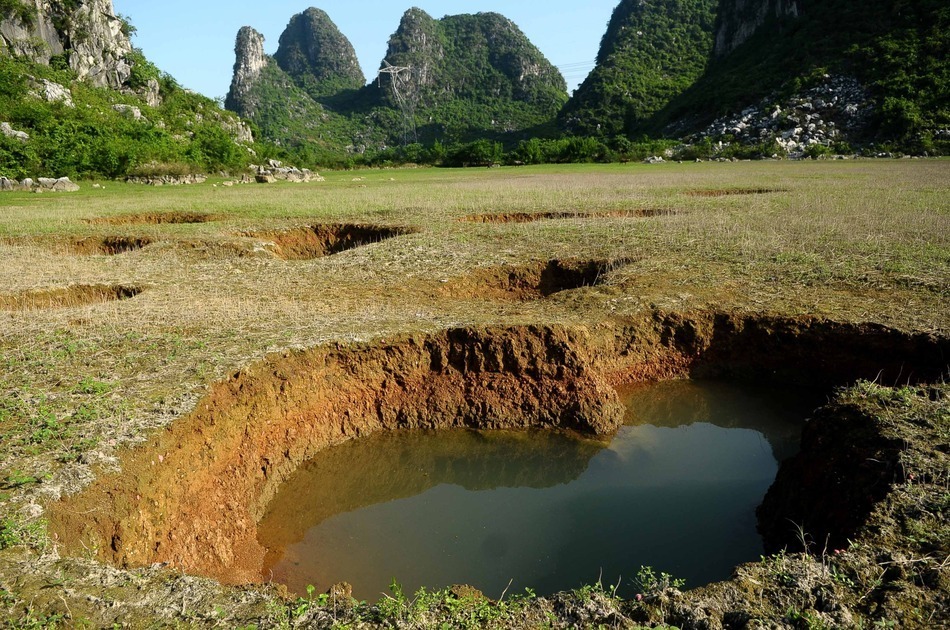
pixel 400 81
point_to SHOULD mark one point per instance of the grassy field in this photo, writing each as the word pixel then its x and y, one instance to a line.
pixel 98 349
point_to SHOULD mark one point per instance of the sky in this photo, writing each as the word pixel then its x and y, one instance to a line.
pixel 193 40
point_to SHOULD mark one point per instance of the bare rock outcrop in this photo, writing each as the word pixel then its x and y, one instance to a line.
pixel 249 63
pixel 93 39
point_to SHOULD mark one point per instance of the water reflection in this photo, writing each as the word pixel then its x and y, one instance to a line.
pixel 676 488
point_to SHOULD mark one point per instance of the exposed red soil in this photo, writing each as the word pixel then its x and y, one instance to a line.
pixel 66 297
pixel 192 496
pixel 315 241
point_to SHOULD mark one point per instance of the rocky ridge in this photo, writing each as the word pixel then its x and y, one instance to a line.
pixel 89 35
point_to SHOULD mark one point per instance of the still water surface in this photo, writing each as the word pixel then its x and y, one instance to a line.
pixel 675 489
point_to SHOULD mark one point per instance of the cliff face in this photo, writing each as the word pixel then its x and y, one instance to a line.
pixel 249 64
pixel 88 34
pixel 318 56
pixel 739 19
pixel 653 50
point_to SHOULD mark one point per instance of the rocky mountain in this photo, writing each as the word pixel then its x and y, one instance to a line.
pixel 652 51
pixel 279 103
pixel 78 99
pixel 468 76
pixel 318 56
pixel 458 78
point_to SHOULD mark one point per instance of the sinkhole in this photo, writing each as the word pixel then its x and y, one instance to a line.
pixel 526 436
pixel 675 488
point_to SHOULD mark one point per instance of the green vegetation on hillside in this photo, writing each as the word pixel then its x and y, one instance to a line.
pixel 897 48
pixel 93 139
pixel 651 53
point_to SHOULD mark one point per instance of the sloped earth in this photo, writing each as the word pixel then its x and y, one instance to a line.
pixel 66 297
pixel 867 494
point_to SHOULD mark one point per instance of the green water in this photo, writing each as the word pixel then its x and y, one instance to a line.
pixel 675 489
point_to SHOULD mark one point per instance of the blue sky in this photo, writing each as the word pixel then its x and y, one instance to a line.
pixel 194 40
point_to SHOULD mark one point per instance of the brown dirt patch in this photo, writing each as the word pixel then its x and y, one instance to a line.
pixel 194 495
pixel 107 245
pixel 727 192
pixel 316 241
pixel 157 218
pixel 66 297
pixel 531 282
pixel 530 217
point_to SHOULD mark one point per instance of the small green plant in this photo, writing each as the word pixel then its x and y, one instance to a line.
pixel 650 584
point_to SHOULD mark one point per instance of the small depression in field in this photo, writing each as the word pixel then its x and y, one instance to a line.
pixel 107 245
pixel 157 218
pixel 728 192
pixel 66 297
pixel 532 281
pixel 316 241
pixel 530 217
pixel 675 489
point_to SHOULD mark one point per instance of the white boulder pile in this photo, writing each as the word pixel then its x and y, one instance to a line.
pixel 833 111
pixel 40 185
pixel 275 170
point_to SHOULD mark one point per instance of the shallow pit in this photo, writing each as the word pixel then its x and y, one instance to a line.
pixel 193 496
pixel 316 241
pixel 530 217
pixel 532 282
pixel 727 192
pixel 66 297
pixel 157 218
pixel 548 511
pixel 107 245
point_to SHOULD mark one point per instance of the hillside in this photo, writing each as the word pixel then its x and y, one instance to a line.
pixel 77 99
pixel 652 51
pixel 776 49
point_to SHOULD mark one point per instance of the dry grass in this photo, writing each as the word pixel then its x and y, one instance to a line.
pixel 853 241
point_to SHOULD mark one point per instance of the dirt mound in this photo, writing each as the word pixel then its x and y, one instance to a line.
pixel 531 282
pixel 107 245
pixel 316 241
pixel 529 217
pixel 66 297
pixel 156 218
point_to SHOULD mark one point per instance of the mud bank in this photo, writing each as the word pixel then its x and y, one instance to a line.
pixel 192 497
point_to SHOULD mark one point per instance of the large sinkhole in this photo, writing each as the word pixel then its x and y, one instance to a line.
pixel 675 488
pixel 519 412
